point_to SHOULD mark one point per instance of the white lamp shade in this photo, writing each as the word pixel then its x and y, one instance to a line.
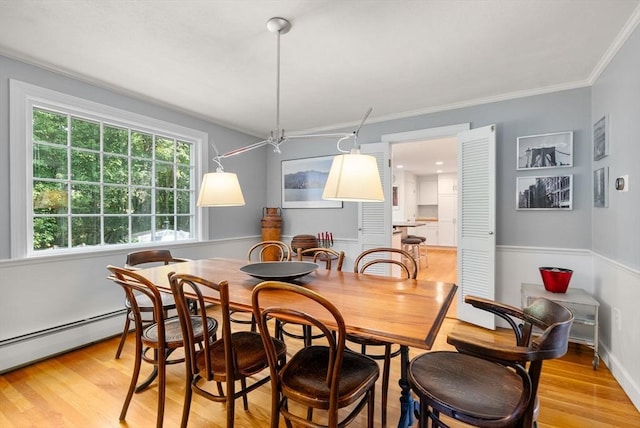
pixel 354 177
pixel 220 189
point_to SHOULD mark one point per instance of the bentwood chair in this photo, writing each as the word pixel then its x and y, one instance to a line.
pixel 275 251
pixel 134 261
pixel 235 356
pixel 366 262
pixel 156 342
pixel 327 377
pixel 485 383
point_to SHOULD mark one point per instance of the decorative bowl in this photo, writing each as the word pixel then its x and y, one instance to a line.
pixel 279 271
pixel 555 279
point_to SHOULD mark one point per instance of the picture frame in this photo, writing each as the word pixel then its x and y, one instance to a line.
pixel 303 182
pixel 552 192
pixel 395 197
pixel 601 187
pixel 601 138
pixel 554 150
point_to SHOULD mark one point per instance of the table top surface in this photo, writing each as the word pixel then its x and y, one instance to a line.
pixel 409 224
pixel 403 311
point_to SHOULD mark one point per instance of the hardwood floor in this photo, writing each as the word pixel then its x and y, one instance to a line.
pixel 86 387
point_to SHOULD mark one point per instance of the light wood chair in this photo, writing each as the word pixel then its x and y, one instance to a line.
pixel 367 261
pixel 323 377
pixel 328 255
pixel 487 384
pixel 156 342
pixel 235 356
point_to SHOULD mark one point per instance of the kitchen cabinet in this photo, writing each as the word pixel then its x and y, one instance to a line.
pixel 429 231
pixel 447 184
pixel 447 213
pixel 428 192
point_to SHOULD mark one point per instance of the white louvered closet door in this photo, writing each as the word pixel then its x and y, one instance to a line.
pixel 476 222
pixel 374 218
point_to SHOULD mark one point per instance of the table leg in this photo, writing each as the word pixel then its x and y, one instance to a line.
pixel 407 404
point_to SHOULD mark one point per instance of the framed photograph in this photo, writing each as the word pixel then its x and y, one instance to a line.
pixel 394 197
pixel 601 138
pixel 303 182
pixel 554 192
pixel 545 151
pixel 600 187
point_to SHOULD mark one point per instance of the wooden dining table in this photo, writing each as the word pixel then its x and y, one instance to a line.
pixel 406 312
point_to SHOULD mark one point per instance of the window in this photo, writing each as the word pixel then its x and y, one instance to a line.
pixel 99 177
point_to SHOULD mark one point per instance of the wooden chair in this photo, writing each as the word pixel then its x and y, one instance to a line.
pixel 487 384
pixel 134 261
pixel 365 262
pixel 328 255
pixel 327 377
pixel 256 253
pixel 235 356
pixel 156 342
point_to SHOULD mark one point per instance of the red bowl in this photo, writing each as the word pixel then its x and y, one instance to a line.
pixel 555 279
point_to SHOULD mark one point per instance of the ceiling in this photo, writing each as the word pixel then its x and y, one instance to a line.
pixel 215 59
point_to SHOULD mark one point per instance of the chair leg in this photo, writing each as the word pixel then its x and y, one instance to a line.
pixel 162 372
pixel 125 332
pixel 371 407
pixel 245 401
pixel 385 383
pixel 134 378
pixel 188 392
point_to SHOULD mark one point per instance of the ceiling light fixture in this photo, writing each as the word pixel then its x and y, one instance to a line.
pixel 352 177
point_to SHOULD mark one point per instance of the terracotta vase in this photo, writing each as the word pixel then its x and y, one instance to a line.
pixel 271 231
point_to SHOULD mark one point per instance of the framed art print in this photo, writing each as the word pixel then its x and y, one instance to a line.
pixel 601 138
pixel 545 151
pixel 553 192
pixel 303 182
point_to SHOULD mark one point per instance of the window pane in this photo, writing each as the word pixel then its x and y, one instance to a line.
pixel 49 197
pixel 183 177
pixel 141 229
pixel 141 145
pixel 184 227
pixel 85 134
pixel 116 230
pixel 183 200
pixel 116 170
pixel 141 172
pixel 183 152
pixel 164 223
pixel 85 231
pixel 116 200
pixel 140 201
pixel 116 140
pixel 164 149
pixel 49 232
pixel 164 175
pixel 164 201
pixel 49 161
pixel 85 199
pixel 49 127
pixel 85 166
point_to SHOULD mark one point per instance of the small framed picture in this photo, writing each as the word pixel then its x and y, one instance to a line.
pixel 545 151
pixel 545 193
pixel 601 187
pixel 303 182
pixel 601 138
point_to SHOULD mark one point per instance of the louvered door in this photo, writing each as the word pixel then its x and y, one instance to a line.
pixel 374 218
pixel 476 222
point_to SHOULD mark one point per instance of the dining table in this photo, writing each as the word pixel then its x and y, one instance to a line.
pixel 406 312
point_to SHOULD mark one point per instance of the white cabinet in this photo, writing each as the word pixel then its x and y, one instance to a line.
pixel 447 184
pixel 428 192
pixel 429 231
pixel 447 209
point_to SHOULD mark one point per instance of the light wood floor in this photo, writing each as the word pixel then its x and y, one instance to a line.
pixel 85 388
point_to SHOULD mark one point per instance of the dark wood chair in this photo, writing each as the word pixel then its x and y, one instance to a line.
pixel 156 342
pixel 321 254
pixel 486 383
pixel 235 356
pixel 135 261
pixel 327 377
pixel 276 251
pixel 370 261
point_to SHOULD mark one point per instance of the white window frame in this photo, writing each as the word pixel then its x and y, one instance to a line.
pixel 23 98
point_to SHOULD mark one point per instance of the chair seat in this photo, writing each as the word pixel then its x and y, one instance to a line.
pixel 144 303
pixel 173 331
pixel 249 353
pixel 304 376
pixel 454 380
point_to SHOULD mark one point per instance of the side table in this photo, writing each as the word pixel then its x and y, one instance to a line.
pixel 584 329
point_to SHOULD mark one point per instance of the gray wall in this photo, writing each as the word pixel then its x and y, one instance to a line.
pixel 559 111
pixel 616 229
pixel 224 222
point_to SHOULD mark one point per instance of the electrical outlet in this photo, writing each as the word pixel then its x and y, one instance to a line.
pixel 617 319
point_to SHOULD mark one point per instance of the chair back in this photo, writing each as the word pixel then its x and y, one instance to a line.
pixel 134 284
pixel 274 299
pixel 374 258
pixel 328 255
pixel 183 284
pixel 151 256
pixel 281 250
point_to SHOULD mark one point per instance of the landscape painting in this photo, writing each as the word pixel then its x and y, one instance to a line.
pixel 303 182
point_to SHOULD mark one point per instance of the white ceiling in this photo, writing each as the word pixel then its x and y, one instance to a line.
pixel 216 59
